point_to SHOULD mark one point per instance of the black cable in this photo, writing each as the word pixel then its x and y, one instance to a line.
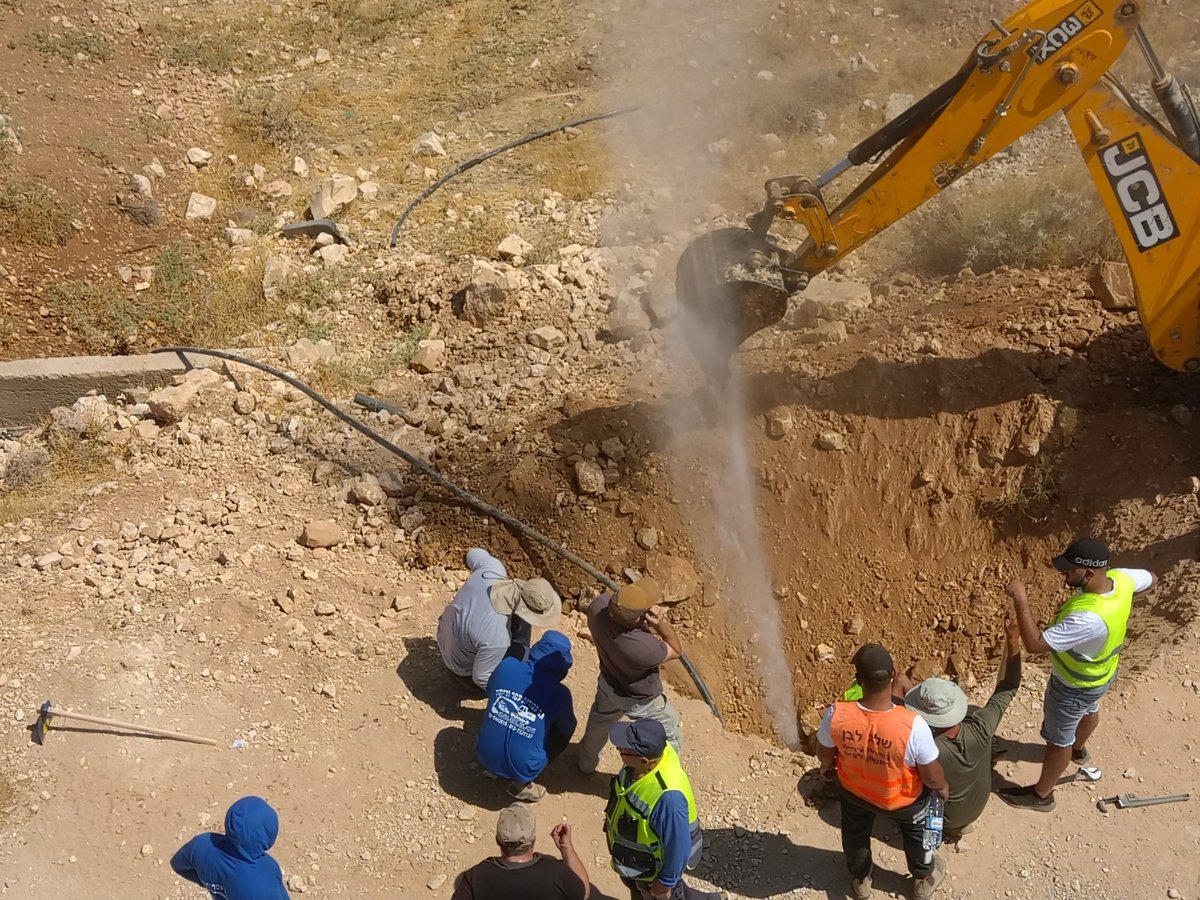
pixel 427 471
pixel 471 163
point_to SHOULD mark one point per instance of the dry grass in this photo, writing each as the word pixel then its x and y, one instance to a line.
pixel 72 461
pixel 184 306
pixel 1031 498
pixel 90 45
pixel 577 168
pixel 468 56
pixel 31 213
pixel 218 52
pixel 398 69
pixel 313 292
pixel 217 37
pixel 1051 219
pixel 342 377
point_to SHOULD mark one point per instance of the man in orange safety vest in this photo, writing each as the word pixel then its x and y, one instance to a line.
pixel 887 765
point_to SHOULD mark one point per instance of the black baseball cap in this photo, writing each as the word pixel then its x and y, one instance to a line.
pixel 1084 553
pixel 873 664
pixel 645 737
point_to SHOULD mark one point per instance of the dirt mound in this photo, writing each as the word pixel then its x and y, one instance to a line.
pixel 955 439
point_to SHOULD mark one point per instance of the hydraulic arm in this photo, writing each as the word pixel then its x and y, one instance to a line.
pixel 1050 56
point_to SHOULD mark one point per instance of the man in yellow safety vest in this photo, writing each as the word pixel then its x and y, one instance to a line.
pixel 651 824
pixel 1084 642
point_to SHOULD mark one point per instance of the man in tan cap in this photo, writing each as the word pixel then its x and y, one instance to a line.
pixel 520 872
pixel 633 638
pixel 490 613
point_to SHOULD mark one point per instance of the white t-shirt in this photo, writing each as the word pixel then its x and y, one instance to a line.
pixel 920 750
pixel 1086 632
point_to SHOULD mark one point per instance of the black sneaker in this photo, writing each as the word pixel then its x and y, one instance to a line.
pixel 1027 798
pixel 1079 757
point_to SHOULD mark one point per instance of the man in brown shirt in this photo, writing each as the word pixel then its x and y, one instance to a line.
pixel 633 639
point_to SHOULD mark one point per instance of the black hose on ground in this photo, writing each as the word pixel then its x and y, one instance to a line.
pixel 512 145
pixel 426 471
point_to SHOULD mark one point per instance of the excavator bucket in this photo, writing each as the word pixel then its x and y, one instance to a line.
pixel 727 290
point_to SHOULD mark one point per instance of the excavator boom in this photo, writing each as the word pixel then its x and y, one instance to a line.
pixel 1148 185
pixel 1050 56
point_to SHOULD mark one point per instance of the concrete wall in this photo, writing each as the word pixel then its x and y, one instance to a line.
pixel 30 388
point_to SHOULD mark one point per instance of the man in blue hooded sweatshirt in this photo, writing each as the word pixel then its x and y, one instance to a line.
pixel 530 717
pixel 235 865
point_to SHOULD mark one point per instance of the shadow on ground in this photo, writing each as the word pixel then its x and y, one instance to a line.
pixel 763 864
pixel 460 774
pixel 431 683
pixel 1022 751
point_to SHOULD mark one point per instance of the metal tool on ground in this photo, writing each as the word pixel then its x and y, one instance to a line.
pixel 1090 774
pixel 428 472
pixel 1132 801
pixel 313 228
pixel 47 712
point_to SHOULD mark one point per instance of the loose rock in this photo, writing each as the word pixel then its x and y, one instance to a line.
pixel 428 355
pixel 488 296
pixel 331 195
pixel 647 538
pixel 779 422
pixel 200 206
pixel 547 337
pixel 322 533
pixel 428 144
pixel 831 440
pixel 199 157
pixel 675 575
pixel 1113 286
pixel 514 247
pixel 589 477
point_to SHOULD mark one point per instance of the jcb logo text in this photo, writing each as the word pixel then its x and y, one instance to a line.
pixel 1131 176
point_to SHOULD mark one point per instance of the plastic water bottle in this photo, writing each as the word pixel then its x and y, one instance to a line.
pixel 931 839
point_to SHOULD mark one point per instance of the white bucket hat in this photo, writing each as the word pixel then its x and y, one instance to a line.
pixel 939 702
pixel 533 600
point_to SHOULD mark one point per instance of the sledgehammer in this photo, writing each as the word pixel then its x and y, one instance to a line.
pixel 1128 801
pixel 47 712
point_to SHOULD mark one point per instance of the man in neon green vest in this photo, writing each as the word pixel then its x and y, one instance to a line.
pixel 650 823
pixel 1084 642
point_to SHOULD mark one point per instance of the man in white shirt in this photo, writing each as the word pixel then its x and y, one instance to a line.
pixel 1084 641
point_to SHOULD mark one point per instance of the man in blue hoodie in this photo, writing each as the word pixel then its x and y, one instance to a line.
pixel 235 865
pixel 530 717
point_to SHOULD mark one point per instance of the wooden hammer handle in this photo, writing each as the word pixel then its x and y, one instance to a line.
pixel 129 726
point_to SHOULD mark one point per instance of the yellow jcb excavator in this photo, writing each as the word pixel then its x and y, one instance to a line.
pixel 1048 56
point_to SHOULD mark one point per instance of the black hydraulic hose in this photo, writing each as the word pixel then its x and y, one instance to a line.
pixel 430 473
pixel 471 163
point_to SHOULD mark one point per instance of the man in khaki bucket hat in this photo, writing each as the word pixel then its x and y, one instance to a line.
pixel 490 613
